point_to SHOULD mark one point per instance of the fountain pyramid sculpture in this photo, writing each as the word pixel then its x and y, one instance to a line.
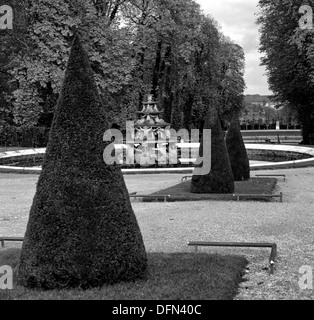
pixel 152 135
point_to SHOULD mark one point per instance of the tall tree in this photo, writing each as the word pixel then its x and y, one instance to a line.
pixel 288 56
pixel 82 231
pixel 169 48
pixel 14 42
pixel 231 83
pixel 220 179
pixel 37 71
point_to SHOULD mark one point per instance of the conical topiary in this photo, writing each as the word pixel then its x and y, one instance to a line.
pixel 239 160
pixel 82 231
pixel 220 179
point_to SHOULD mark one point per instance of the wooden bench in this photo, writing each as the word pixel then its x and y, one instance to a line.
pixel 164 197
pixel 273 246
pixel 240 195
pixel 272 175
pixel 3 239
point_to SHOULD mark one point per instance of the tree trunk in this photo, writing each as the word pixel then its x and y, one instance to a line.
pixel 188 107
pixel 156 74
pixel 141 73
pixel 169 96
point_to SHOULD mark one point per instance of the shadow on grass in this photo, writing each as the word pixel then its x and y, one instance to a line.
pixel 177 276
pixel 181 191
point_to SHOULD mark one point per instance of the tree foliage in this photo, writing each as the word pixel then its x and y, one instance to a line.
pixel 288 56
pixel 258 115
pixel 231 81
pixel 82 231
pixel 239 160
pixel 168 48
pixel 220 180
pixel 13 42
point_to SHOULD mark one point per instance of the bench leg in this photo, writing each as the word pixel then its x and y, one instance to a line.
pixel 271 267
pixel 2 243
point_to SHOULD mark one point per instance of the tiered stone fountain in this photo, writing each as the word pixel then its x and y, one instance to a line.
pixel 152 136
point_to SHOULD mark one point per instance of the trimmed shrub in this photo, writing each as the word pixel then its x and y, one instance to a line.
pixel 82 231
pixel 220 179
pixel 239 160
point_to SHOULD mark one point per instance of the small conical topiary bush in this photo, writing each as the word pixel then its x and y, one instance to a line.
pixel 82 231
pixel 220 179
pixel 239 160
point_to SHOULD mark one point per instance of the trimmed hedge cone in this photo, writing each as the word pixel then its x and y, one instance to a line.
pixel 239 160
pixel 82 231
pixel 220 179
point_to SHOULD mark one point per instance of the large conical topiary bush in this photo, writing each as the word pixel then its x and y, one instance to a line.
pixel 220 179
pixel 82 231
pixel 239 160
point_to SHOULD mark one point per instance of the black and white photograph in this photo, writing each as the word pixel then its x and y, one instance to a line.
pixel 157 155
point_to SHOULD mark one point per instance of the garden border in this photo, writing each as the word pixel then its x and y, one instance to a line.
pixel 187 170
pixel 273 246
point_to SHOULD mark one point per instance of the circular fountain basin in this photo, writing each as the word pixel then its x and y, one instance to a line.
pixel 282 151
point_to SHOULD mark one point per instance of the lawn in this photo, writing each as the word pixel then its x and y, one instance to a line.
pixel 181 191
pixel 167 227
pixel 174 276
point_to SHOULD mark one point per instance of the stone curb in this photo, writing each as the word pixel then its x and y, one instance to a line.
pixel 267 166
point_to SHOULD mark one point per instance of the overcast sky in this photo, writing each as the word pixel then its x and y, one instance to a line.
pixel 237 20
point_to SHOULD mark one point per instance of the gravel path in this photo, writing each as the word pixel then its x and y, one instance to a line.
pixel 167 227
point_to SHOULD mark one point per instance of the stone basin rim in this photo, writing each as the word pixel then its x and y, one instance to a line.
pixel 266 166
